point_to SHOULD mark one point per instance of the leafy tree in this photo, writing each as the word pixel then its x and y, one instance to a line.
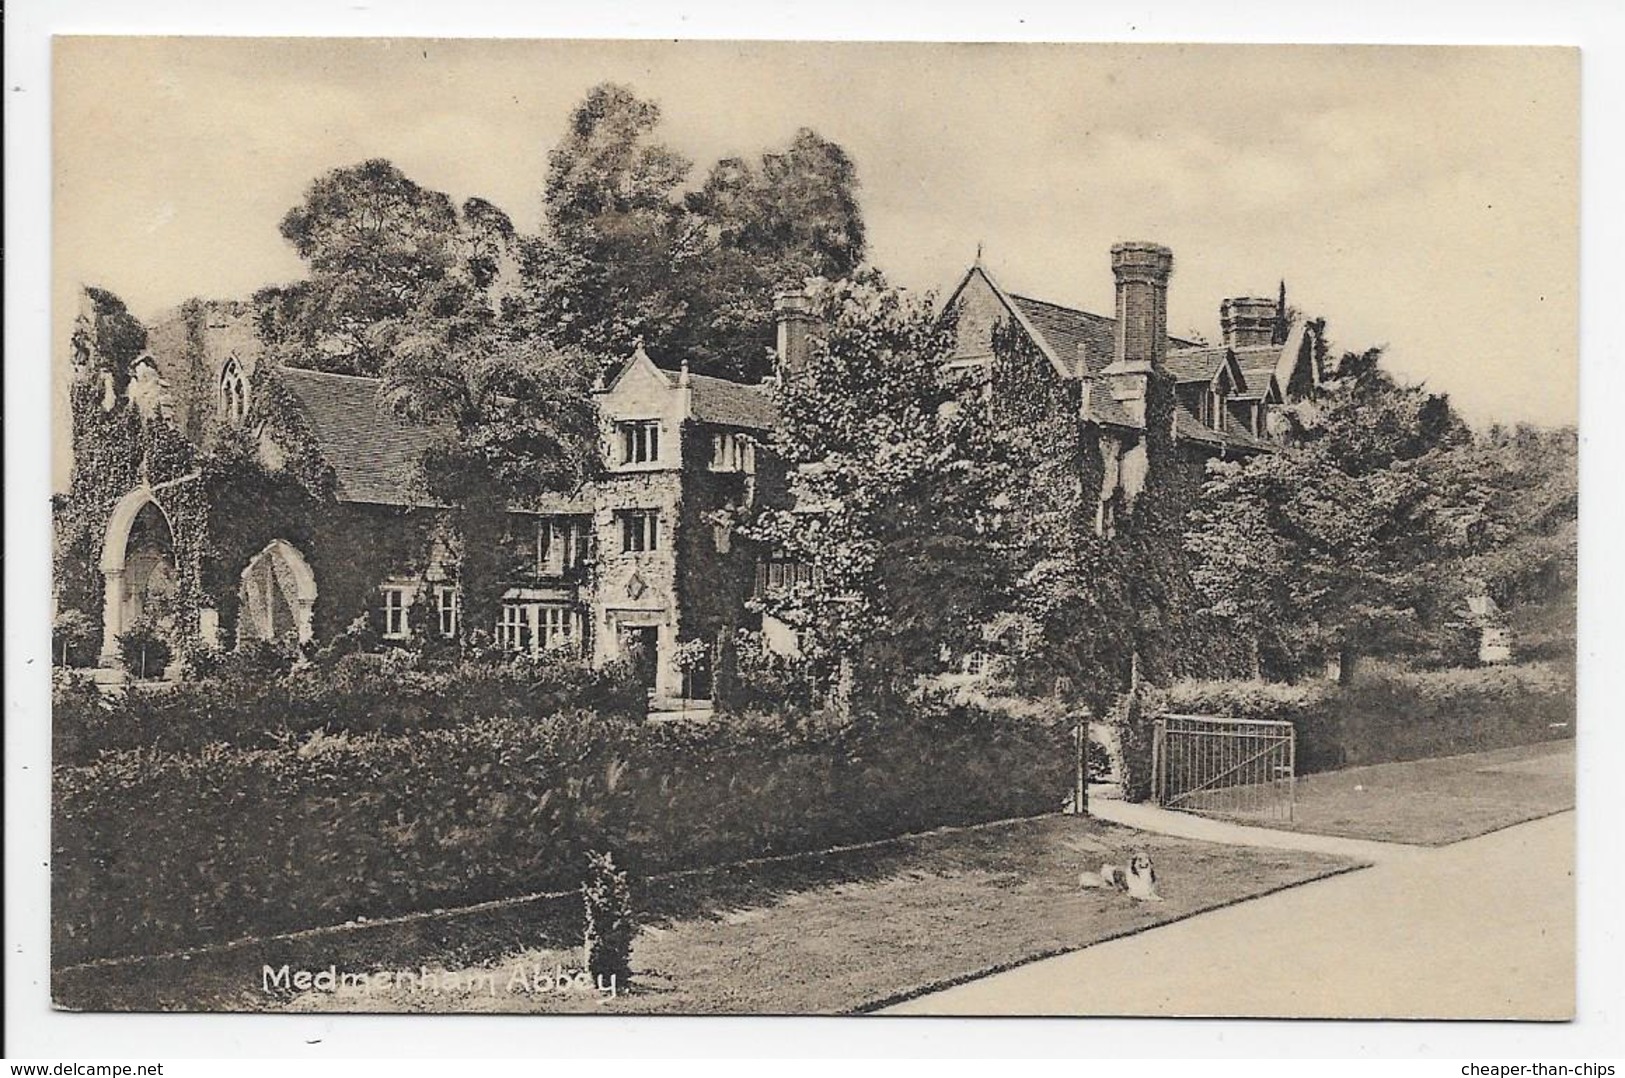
pixel 388 259
pixel 1366 533
pixel 602 277
pixel 771 226
pixel 894 472
pixel 518 421
pixel 627 257
pixel 1307 560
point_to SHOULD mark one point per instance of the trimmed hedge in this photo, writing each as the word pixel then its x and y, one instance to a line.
pixel 254 701
pixel 1389 714
pixel 160 850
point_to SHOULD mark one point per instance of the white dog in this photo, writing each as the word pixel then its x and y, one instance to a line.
pixel 1139 879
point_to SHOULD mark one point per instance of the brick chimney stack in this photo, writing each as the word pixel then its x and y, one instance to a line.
pixel 793 312
pixel 1248 321
pixel 1142 271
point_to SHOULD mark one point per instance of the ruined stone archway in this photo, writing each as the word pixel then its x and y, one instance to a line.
pixel 277 597
pixel 138 569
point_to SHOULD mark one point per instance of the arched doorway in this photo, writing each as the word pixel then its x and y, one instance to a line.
pixel 277 596
pixel 138 570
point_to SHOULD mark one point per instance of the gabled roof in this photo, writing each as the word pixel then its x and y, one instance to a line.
pixel 1196 364
pixel 374 453
pixel 1065 335
pixel 1070 334
pixel 1058 331
pixel 720 401
pixel 1259 367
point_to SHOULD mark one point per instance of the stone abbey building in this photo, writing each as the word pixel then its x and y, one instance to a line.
pixel 636 564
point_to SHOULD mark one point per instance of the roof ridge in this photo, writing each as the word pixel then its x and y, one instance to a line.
pixel 726 381
pixel 1062 307
pixel 283 367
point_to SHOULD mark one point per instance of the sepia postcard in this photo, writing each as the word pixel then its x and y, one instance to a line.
pixel 775 528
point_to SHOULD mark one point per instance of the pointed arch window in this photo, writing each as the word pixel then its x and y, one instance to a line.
pixel 233 392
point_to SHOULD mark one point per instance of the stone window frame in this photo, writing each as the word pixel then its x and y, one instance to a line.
pixel 639 441
pixel 563 544
pixel 733 451
pixel 532 626
pixel 234 392
pixel 640 530
pixel 513 627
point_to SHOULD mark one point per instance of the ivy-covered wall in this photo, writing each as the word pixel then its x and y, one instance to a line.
pixel 351 548
pixel 716 567
pixel 1098 600
pixel 118 447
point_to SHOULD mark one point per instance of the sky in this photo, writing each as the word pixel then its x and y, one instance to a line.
pixel 1423 199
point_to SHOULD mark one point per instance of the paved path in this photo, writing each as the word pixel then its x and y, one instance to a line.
pixel 1480 929
pixel 1144 817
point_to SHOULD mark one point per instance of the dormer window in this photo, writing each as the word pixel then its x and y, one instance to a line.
pixel 733 452
pixel 233 392
pixel 1213 406
pixel 640 441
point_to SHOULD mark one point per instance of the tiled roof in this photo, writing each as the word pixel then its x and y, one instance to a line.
pixel 374 453
pixel 1103 407
pixel 1257 365
pixel 1195 364
pixel 731 404
pixel 1064 328
pixel 1188 426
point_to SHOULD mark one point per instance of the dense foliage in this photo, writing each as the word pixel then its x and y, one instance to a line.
pixel 1381 517
pixel 608 927
pixel 1389 713
pixel 627 256
pixel 389 261
pixel 517 421
pixel 895 477
pixel 251 699
pixel 332 827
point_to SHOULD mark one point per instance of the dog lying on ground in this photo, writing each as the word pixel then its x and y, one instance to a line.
pixel 1139 879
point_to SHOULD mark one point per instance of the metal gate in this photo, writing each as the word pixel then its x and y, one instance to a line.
pixel 1224 767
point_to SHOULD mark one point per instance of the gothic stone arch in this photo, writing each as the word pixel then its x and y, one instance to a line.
pixel 138 565
pixel 277 596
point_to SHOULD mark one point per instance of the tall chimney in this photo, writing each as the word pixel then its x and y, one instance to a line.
pixel 1248 321
pixel 1142 271
pixel 793 312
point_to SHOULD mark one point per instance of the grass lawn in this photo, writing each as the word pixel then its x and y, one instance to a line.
pixel 1439 801
pixel 835 934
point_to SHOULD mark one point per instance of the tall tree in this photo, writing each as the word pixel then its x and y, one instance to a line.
pixel 603 275
pixel 894 475
pixel 770 226
pixel 518 420
pixel 388 259
pixel 1339 544
pixel 627 257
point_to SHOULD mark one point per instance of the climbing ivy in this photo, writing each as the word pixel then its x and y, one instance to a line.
pixel 1091 600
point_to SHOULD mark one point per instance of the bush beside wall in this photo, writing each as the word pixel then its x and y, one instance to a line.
pixel 159 850
pixel 1389 714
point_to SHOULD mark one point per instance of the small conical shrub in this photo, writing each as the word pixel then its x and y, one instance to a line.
pixel 607 947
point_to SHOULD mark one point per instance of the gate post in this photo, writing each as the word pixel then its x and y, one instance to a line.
pixel 1080 783
pixel 1159 787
